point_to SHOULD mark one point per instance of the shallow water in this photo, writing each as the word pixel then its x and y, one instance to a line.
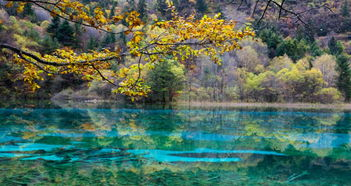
pixel 148 146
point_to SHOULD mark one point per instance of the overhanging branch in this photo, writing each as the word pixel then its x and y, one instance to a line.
pixel 53 63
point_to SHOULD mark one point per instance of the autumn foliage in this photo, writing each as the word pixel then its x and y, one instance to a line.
pixel 180 39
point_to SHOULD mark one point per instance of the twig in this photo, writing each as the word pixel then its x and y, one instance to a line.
pixel 102 76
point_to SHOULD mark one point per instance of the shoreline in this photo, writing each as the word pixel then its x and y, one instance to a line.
pixel 193 104
pixel 338 106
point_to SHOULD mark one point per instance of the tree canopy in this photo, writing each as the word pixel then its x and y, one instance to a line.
pixel 95 47
pixel 179 38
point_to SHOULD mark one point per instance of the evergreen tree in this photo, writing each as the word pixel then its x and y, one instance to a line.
pixel 131 5
pixel 28 11
pixel 335 47
pixel 306 34
pixel 112 38
pixel 123 44
pixel 93 44
pixel 181 4
pixel 201 6
pixel 109 40
pixel 165 80
pixel 345 9
pixel 184 2
pixel 54 27
pixel 344 79
pixel 113 9
pixel 123 39
pixel 49 44
pixel 77 34
pixel 65 34
pixel 272 39
pixel 295 49
pixel 32 33
pixel 219 10
pixel 162 7
pixel 142 9
pixel 315 50
pixel 176 4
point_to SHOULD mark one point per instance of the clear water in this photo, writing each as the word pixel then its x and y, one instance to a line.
pixel 139 146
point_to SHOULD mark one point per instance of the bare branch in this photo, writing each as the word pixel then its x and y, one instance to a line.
pixel 264 11
pixel 254 10
pixel 289 11
pixel 139 71
pixel 102 76
pixel 281 9
pixel 40 4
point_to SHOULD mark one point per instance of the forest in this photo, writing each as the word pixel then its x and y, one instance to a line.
pixel 175 92
pixel 272 51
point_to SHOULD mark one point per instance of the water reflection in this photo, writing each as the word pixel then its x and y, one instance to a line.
pixel 170 147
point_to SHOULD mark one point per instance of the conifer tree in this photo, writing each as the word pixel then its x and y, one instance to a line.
pixel 109 40
pixel 176 4
pixel 112 13
pixel 345 9
pixel 77 34
pixel 142 9
pixel 28 11
pixel 272 38
pixel 335 47
pixel 131 5
pixel 54 27
pixel 184 2
pixel 219 10
pixel 315 50
pixel 295 49
pixel 165 80
pixel 201 6
pixel 65 34
pixel 49 44
pixel 180 4
pixel 162 7
pixel 93 44
pixel 344 79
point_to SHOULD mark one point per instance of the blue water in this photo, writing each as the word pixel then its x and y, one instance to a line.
pixel 148 146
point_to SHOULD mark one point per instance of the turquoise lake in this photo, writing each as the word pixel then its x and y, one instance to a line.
pixel 179 146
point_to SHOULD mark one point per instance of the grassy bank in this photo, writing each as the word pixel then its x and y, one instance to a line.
pixel 339 106
pixel 96 103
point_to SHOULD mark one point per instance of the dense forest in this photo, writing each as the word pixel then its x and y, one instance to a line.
pixel 300 53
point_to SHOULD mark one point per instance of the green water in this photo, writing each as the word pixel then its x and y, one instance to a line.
pixel 153 146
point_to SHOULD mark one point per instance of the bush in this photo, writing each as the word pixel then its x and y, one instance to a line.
pixel 328 95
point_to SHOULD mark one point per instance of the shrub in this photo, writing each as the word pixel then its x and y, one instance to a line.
pixel 328 95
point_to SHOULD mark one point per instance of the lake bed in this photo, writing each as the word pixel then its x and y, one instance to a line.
pixel 179 146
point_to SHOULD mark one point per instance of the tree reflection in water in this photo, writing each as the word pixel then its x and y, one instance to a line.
pixel 174 146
